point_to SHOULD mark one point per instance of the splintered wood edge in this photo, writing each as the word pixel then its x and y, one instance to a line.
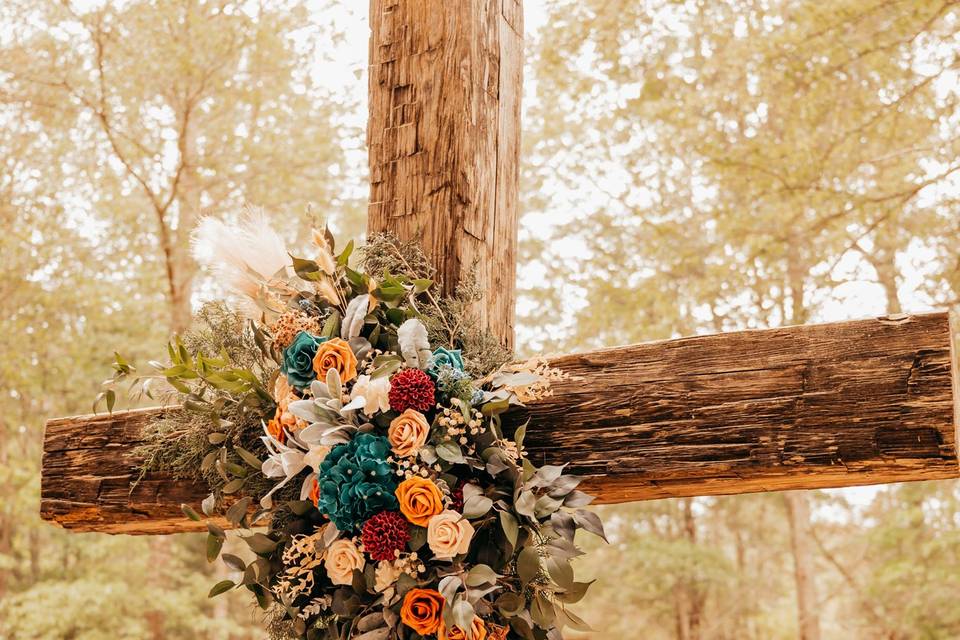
pixel 953 328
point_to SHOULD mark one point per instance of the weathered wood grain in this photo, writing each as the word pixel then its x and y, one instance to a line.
pixel 443 138
pixel 89 471
pixel 831 405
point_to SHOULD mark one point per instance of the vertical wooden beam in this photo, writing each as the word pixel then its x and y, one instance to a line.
pixel 444 138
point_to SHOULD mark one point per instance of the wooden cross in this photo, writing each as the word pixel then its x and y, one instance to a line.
pixel 806 407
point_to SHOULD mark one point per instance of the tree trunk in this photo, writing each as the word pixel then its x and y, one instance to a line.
pixel 444 139
pixel 694 594
pixel 883 259
pixel 804 569
pixel 189 200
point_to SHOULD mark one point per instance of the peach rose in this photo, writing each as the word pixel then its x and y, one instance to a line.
pixel 449 534
pixel 335 354
pixel 341 559
pixel 408 433
pixel 421 611
pixel 476 631
pixel 419 499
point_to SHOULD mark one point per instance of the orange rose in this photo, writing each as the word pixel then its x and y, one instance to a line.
pixel 497 632
pixel 476 631
pixel 335 354
pixel 421 611
pixel 408 433
pixel 419 499
pixel 275 429
pixel 315 492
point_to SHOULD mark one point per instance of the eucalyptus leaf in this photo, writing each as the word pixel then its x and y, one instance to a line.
pixel 575 593
pixel 568 618
pixel 528 564
pixel 541 610
pixel 370 621
pixel 481 574
pixel 526 503
pixel 234 562
pixel 418 538
pixel 221 587
pixel 233 486
pixel 239 509
pixel 577 499
pixel 510 604
pixel 260 544
pixel 214 544
pixel 476 506
pixel 190 512
pixel 249 458
pixel 510 526
pixel 560 571
pixel 450 451
pixel 591 522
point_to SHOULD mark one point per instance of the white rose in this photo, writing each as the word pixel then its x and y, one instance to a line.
pixel 315 456
pixel 342 558
pixel 449 534
pixel 375 391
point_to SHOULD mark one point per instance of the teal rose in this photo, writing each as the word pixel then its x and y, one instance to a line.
pixel 444 358
pixel 356 482
pixel 298 359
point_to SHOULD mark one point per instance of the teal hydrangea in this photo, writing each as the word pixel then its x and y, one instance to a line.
pixel 356 481
pixel 444 358
pixel 297 362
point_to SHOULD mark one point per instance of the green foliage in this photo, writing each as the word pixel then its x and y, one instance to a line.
pixel 451 320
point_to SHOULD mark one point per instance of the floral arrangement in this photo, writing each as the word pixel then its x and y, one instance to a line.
pixel 349 424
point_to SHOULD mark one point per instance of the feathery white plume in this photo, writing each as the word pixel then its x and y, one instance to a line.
pixel 414 345
pixel 324 255
pixel 242 256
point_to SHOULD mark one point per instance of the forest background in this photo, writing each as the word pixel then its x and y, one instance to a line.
pixel 690 166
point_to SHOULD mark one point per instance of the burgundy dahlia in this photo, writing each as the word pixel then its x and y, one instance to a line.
pixel 411 389
pixel 456 498
pixel 384 534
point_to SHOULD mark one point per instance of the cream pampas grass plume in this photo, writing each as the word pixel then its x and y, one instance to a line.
pixel 242 256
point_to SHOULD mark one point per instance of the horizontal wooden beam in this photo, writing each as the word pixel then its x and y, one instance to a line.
pixel 832 405
pixel 89 473
pixel 805 407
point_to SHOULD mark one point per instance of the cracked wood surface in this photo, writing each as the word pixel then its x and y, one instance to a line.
pixel 832 405
pixel 805 407
pixel 443 139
